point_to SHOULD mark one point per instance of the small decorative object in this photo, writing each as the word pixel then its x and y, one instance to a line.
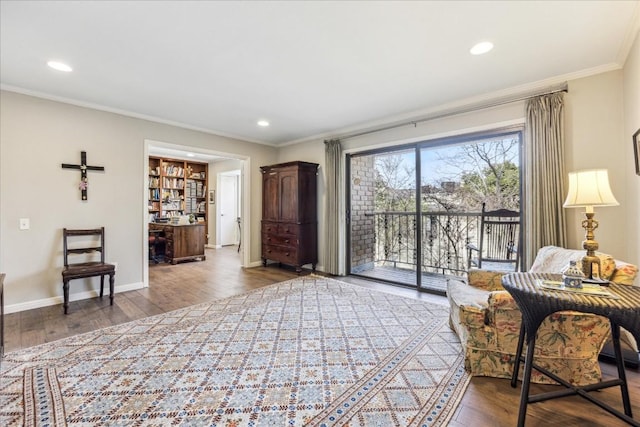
pixel 192 219
pixel 572 276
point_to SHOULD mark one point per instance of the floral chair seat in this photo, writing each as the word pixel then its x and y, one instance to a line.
pixel 487 320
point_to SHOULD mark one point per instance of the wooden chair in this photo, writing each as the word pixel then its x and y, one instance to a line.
pixel 87 268
pixel 499 245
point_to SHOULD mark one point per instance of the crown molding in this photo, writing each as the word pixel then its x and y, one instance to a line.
pixel 630 37
pixel 126 113
pixel 462 105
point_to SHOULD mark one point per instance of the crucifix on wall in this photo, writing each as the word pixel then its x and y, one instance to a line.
pixel 84 182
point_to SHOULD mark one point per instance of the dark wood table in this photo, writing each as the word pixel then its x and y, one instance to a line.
pixel 537 303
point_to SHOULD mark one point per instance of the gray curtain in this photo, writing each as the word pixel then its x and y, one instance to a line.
pixel 544 175
pixel 333 171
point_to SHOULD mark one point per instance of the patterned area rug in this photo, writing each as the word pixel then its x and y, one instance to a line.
pixel 309 351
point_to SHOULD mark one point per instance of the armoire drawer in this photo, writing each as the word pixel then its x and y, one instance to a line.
pixel 289 229
pixel 281 240
pixel 276 228
pixel 280 253
pixel 269 227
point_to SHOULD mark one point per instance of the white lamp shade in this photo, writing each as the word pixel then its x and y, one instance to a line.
pixel 589 188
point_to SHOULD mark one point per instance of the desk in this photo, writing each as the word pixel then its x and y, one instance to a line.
pixel 183 242
pixel 536 304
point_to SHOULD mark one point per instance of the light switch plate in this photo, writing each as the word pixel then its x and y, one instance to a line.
pixel 24 224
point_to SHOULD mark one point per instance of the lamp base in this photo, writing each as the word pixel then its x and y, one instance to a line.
pixel 591 246
pixel 591 266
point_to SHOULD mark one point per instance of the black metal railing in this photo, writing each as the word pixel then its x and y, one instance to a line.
pixel 444 238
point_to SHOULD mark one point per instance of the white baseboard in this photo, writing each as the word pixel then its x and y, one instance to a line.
pixel 255 264
pixel 45 302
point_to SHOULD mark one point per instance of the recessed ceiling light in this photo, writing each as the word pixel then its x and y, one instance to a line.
pixel 60 66
pixel 480 48
pixel 263 123
pixel 190 155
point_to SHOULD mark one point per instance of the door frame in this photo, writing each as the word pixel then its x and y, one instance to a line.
pixel 245 174
pixel 418 144
pixel 219 191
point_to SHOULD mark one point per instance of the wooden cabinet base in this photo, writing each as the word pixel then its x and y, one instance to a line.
pixel 183 242
pixel 174 261
pixel 280 263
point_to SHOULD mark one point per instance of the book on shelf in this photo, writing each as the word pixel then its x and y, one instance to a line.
pixel 172 205
pixel 172 170
pixel 191 188
pixel 197 175
pixel 168 182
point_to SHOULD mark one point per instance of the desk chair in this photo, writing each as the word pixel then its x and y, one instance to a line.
pixel 84 269
pixel 157 241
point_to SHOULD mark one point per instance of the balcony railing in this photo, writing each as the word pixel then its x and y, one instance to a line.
pixel 444 237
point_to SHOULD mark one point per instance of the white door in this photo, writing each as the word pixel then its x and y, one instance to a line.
pixel 229 210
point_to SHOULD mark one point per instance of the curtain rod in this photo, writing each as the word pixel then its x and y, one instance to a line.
pixel 496 103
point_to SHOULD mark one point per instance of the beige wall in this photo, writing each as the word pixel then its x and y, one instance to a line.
pixel 38 135
pixel 594 135
pixel 631 85
pixel 595 138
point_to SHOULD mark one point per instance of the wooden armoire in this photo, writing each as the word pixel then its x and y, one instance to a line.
pixel 290 214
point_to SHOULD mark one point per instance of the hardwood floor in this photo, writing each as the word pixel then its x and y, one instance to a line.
pixel 487 401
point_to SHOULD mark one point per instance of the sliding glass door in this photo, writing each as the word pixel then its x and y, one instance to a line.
pixel 413 210
pixel 382 188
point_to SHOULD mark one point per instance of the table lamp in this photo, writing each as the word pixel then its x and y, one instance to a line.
pixel 589 188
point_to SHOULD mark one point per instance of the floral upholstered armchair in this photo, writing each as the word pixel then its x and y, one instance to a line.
pixel 487 320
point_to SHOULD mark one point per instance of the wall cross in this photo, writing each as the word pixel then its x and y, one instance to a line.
pixel 84 182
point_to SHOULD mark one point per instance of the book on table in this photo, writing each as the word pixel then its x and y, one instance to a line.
pixel 587 288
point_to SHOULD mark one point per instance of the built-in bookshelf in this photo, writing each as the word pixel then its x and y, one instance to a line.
pixel 177 187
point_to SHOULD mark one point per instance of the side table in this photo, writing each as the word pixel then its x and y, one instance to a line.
pixel 537 303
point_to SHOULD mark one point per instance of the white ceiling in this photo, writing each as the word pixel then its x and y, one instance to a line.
pixel 312 69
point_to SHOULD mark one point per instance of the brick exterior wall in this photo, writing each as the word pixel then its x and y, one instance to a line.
pixel 362 201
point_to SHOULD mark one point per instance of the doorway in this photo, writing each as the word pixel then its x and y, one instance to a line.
pixel 218 162
pixel 229 218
